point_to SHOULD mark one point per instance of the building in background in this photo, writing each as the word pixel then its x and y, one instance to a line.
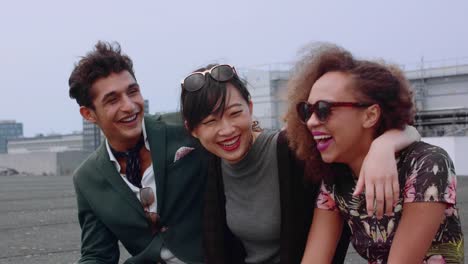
pixel 50 143
pixel 441 95
pixel 93 136
pixel 44 155
pixel 267 87
pixel 43 163
pixel 441 98
pixel 146 110
pixel 9 129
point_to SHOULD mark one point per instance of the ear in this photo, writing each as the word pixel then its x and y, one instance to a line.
pixel 250 106
pixel 371 116
pixel 194 132
pixel 88 114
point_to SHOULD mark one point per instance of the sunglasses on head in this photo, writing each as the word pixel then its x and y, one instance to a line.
pixel 322 109
pixel 196 80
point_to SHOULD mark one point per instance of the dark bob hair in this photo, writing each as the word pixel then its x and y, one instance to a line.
pixel 210 99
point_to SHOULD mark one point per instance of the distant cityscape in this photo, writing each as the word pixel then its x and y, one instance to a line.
pixel 13 142
pixel 441 97
pixel 47 154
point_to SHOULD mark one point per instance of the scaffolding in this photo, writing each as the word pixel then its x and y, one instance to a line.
pixel 448 121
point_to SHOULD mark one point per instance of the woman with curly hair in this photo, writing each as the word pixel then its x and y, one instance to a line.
pixel 339 105
pixel 257 207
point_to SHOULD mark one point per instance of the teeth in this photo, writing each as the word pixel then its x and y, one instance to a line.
pixel 230 143
pixel 128 119
pixel 322 137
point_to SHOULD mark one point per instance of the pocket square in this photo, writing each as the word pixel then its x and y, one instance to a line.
pixel 181 152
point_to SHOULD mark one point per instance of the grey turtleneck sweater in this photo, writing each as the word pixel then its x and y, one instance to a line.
pixel 253 200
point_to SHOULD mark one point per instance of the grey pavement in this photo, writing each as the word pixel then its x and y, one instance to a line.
pixel 38 220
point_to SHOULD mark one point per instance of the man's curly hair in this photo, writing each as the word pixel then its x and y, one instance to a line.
pixel 105 59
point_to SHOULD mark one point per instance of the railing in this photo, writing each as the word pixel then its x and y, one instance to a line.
pixel 418 70
pixel 431 64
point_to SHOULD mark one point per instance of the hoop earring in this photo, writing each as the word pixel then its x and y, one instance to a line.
pixel 256 126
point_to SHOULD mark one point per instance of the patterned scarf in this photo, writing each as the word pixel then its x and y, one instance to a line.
pixel 132 156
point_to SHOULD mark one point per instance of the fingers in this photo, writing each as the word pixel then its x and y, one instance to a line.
pixel 360 184
pixel 379 200
pixel 389 198
pixel 370 199
pixel 396 190
pixel 380 197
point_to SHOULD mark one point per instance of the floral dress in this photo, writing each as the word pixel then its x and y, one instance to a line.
pixel 426 174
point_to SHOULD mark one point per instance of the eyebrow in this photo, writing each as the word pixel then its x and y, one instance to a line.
pixel 220 112
pixel 107 96
pixel 113 93
pixel 233 105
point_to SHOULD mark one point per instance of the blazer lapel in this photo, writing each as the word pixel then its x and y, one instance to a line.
pixel 156 133
pixel 113 177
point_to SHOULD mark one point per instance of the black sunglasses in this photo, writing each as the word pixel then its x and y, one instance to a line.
pixel 147 198
pixel 322 109
pixel 196 80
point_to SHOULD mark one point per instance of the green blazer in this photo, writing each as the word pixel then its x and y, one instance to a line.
pixel 108 211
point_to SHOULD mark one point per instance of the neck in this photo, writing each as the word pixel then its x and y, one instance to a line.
pixel 356 163
pixel 124 145
pixel 255 136
pixel 252 140
pixel 356 167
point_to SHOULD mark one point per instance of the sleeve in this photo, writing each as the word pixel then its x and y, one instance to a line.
pixel 326 198
pixel 430 176
pixel 151 253
pixel 98 244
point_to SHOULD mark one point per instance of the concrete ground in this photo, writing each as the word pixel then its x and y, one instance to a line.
pixel 38 220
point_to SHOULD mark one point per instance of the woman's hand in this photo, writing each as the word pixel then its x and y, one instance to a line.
pixel 379 172
pixel 380 177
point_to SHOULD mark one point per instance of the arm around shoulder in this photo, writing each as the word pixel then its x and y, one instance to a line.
pixel 379 172
pixel 398 139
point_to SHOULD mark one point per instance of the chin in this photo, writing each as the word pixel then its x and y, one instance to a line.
pixel 135 133
pixel 327 159
pixel 234 158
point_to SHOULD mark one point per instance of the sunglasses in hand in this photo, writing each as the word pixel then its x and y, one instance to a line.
pixel 147 198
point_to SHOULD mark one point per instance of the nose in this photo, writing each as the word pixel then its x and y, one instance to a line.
pixel 127 104
pixel 313 121
pixel 226 128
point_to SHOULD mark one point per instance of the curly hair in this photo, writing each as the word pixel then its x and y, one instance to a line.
pixel 373 82
pixel 105 59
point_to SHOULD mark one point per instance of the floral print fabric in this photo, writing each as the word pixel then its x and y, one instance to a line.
pixel 426 174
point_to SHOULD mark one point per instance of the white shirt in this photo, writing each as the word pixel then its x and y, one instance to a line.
pixel 147 180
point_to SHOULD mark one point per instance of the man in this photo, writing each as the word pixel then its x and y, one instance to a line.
pixel 144 185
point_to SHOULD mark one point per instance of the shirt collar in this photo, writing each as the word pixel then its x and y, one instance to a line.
pixel 111 155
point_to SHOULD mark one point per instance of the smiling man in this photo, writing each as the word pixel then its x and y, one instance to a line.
pixel 143 186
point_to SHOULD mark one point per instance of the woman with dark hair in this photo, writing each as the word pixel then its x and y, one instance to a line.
pixel 331 88
pixel 257 207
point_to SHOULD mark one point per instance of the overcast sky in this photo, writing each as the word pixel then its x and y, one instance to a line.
pixel 41 40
